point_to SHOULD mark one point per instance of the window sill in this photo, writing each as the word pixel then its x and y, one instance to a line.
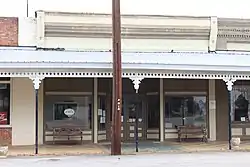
pixel 241 123
pixel 5 126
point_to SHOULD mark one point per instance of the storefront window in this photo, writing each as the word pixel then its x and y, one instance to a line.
pixel 78 108
pixel 240 102
pixel 60 107
pixel 4 104
pixel 185 111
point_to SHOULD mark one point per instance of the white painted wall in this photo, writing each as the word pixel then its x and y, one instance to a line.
pixel 238 46
pixel 135 45
pixel 23 112
pixel 26 31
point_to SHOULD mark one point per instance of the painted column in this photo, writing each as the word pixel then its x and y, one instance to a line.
pixel 229 83
pixel 212 109
pixel 95 110
pixel 40 29
pixel 36 81
pixel 162 122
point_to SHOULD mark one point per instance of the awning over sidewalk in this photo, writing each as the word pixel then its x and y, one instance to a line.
pixel 30 58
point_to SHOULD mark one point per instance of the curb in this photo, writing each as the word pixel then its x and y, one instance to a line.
pixel 53 154
pixel 125 153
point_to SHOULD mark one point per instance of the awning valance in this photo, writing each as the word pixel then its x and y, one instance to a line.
pixel 190 61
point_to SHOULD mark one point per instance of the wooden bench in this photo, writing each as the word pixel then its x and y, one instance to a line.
pixel 189 131
pixel 66 132
pixel 64 128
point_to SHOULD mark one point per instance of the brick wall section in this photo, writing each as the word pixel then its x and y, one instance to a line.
pixel 8 31
pixel 5 136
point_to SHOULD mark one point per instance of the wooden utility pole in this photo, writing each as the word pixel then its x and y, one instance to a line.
pixel 117 80
pixel 27 8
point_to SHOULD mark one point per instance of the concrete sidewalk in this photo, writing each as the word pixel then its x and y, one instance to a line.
pixel 127 148
pixel 57 150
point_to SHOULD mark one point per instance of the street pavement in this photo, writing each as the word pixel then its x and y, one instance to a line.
pixel 212 159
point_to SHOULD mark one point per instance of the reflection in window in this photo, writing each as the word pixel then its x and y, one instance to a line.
pixel 240 102
pixel 81 106
pixel 134 109
pixel 102 112
pixel 185 111
pixel 131 108
pixel 4 104
pixel 59 109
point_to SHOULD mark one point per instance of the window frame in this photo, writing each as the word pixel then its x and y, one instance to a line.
pixel 238 87
pixel 10 102
pixel 188 95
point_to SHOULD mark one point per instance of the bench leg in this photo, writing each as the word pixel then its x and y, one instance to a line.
pixel 81 139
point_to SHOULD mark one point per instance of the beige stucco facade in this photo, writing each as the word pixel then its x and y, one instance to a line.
pixel 23 112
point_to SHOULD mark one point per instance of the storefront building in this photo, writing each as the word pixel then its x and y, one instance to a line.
pixel 182 68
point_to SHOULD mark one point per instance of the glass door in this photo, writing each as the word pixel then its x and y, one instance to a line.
pixel 153 117
pixel 132 109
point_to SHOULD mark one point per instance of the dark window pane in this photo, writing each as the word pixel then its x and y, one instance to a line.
pixel 4 104
pixel 153 111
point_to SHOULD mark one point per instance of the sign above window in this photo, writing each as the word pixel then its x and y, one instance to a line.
pixel 69 112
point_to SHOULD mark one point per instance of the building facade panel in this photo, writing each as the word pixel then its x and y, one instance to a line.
pixel 27 31
pixel 8 31
pixel 23 112
pixel 131 45
pixel 5 136
pixel 148 33
pixel 221 110
pixel 180 85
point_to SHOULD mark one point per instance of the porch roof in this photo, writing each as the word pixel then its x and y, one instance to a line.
pixel 19 57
